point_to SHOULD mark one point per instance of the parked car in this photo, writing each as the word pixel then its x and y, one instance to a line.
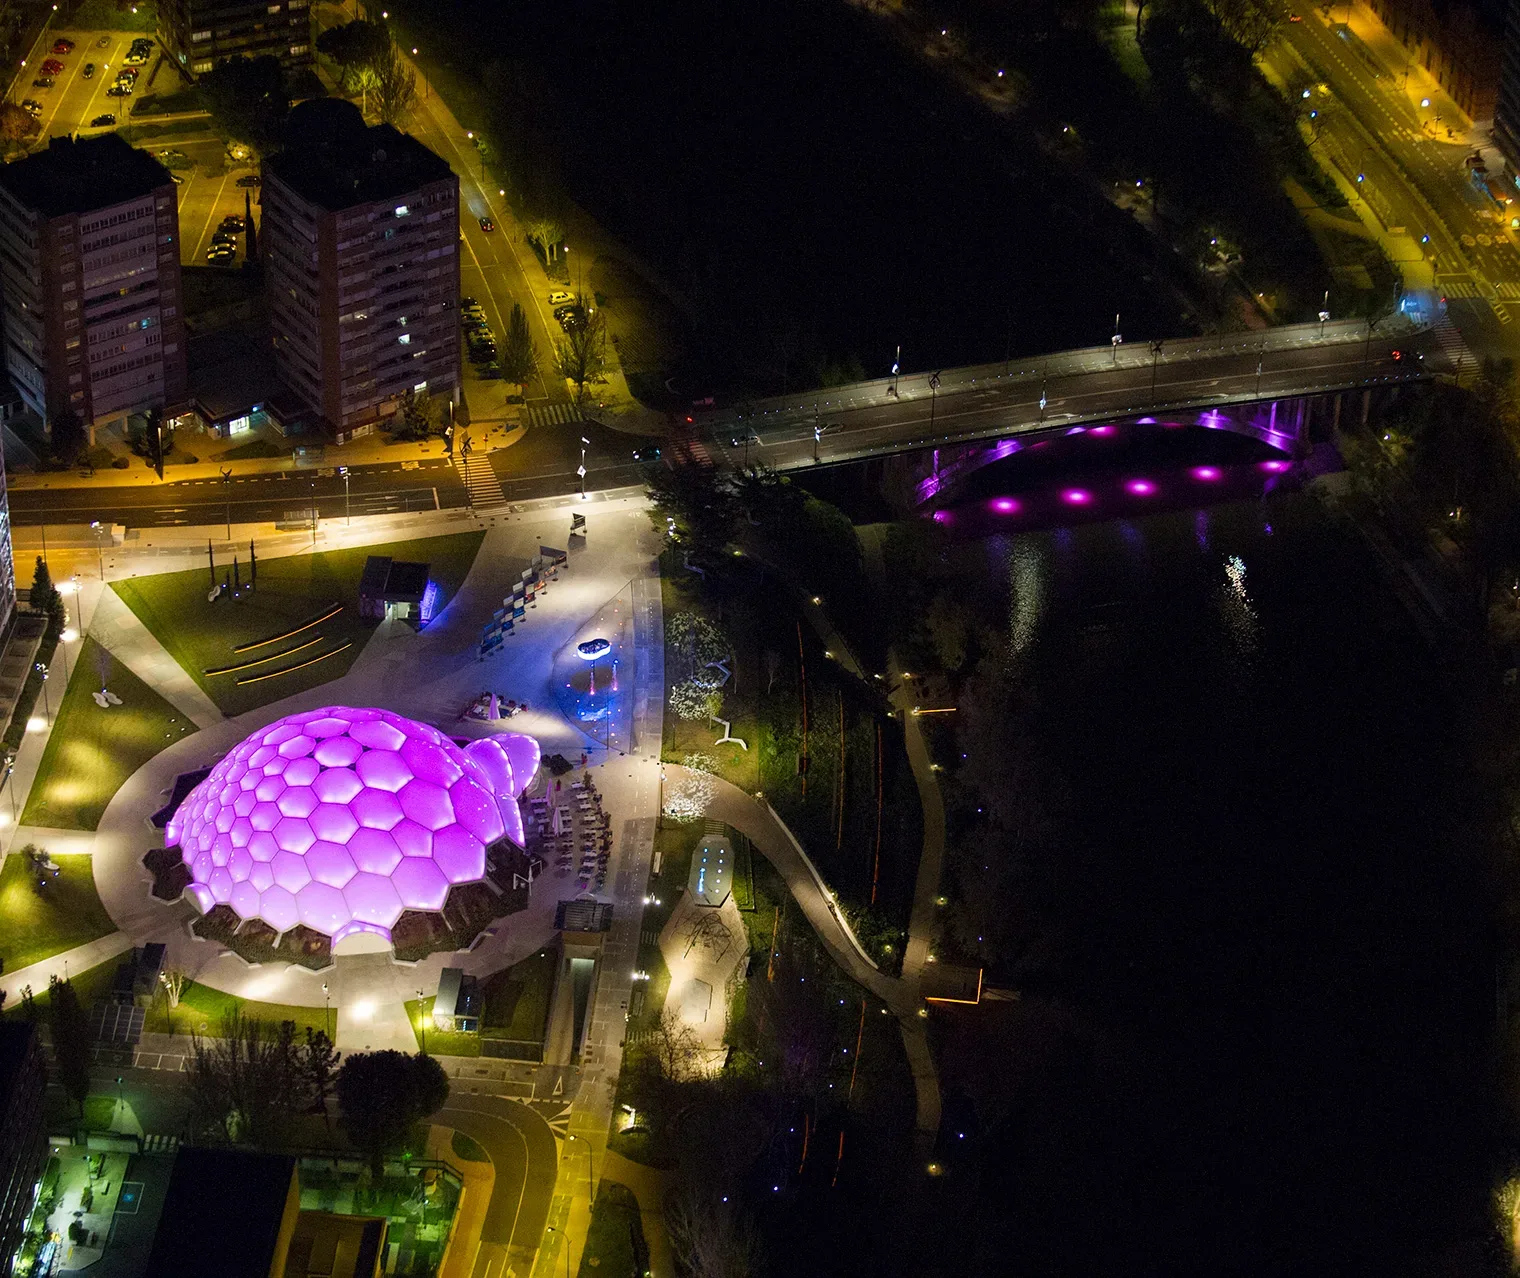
pixel 466 302
pixel 570 318
pixel 232 222
pixel 248 179
pixel 32 105
pixel 103 121
pixel 89 71
pixel 62 45
pixel 490 369
pixel 43 82
pixel 52 67
pixel 104 42
pixel 119 91
pixel 483 354
pixel 487 225
pixel 560 298
pixel 650 454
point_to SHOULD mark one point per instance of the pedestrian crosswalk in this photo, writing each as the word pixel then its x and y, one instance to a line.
pixel 154 1144
pixel 1509 292
pixel 1460 288
pixel 479 479
pixel 1453 345
pixel 553 415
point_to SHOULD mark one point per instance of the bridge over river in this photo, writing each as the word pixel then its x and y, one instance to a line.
pixel 1197 379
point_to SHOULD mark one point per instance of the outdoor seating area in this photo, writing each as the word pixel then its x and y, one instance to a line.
pixel 571 829
pixel 489 706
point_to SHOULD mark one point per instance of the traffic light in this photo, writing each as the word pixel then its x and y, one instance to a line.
pixel 156 440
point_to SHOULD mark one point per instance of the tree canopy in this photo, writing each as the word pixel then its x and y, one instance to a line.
pixel 248 99
pixel 382 1095
pixel 355 44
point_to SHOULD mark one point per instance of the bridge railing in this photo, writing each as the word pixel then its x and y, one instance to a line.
pixel 759 413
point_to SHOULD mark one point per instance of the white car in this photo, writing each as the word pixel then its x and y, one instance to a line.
pixel 560 298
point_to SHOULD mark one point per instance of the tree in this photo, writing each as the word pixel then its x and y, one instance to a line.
pixel 71 1040
pixel 695 702
pixel 355 44
pixel 395 85
pixel 581 356
pixel 321 1065
pixel 382 1095
pixel 677 1049
pixel 67 436
pixel 710 1236
pixel 245 1085
pixel 173 981
pixel 46 599
pixel 545 231
pixel 418 415
pixel 250 231
pixel 248 99
pixel 695 502
pixel 17 124
pixel 519 352
pixel 708 931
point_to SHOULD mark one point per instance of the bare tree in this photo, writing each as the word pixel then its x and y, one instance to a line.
pixel 708 930
pixel 247 1084
pixel 581 356
pixel 546 232
pixel 677 1048
pixel 173 981
pixel 395 86
pixel 710 1236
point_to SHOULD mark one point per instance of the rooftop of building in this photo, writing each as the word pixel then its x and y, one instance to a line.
pixel 333 159
pixel 222 1214
pixel 80 175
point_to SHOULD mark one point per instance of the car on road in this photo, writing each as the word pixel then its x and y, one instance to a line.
pixel 1400 356
pixel 248 179
pixel 172 154
pixel 650 454
pixel 89 71
pixel 32 105
pixel 61 46
pixel 103 121
pixel 487 225
pixel 560 298
pixel 43 82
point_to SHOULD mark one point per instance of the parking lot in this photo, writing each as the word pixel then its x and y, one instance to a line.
pixel 207 177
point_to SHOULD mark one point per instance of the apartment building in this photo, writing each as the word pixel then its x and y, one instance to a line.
pixel 198 34
pixel 360 241
pixel 90 281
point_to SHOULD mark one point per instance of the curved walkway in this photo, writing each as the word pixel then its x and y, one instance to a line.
pixel 769 833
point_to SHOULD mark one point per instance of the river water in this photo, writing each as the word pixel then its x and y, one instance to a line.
pixel 1263 909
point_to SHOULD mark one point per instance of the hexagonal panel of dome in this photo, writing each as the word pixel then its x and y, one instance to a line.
pixel 347 830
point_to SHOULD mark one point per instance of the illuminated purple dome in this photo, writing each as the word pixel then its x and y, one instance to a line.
pixel 341 819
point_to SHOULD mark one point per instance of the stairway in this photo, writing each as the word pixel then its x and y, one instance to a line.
pixel 479 479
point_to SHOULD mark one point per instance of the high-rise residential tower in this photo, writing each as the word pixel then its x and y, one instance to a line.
pixel 360 244
pixel 90 282
pixel 198 34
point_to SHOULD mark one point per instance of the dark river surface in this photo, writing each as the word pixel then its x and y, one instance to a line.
pixel 1268 906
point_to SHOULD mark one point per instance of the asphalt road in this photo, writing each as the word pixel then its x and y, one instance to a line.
pixel 251 499
pixel 868 422
pixel 525 1159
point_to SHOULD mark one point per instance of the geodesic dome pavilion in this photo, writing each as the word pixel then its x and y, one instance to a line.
pixel 341 819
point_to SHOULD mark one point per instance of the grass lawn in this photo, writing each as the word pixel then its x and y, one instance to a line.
pixel 468 1149
pixel 615 1242
pixel 291 591
pixel 201 1009
pixel 115 15
pixel 98 1113
pixel 439 1042
pixel 680 737
pixel 36 923
pixel 88 986
pixel 92 751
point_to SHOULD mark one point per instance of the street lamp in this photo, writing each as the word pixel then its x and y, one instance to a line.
pixel 1117 339
pixel 121 1099
pixel 10 766
pixel 227 493
pixel 100 554
pixel 313 514
pixel 581 471
pixel 1324 314
pixel 326 1011
pixel 422 1020
pixel 933 395
pixel 1155 358
pixel 896 363
pixel 46 708
pixel 348 516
